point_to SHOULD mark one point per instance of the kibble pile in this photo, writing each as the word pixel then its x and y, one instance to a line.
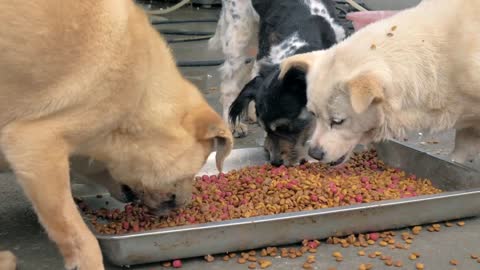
pixel 266 190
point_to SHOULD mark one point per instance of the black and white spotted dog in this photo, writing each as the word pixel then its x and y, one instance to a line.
pixel 278 29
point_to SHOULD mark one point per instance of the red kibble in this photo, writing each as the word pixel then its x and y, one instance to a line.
pixel 413 177
pixel 314 198
pixel 341 196
pixel 313 244
pixel 125 225
pixel 374 236
pixel 359 198
pixel 364 179
pixel 136 227
pixel 206 178
pixel 177 264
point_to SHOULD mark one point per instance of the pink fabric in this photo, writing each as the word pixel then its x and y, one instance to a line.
pixel 363 18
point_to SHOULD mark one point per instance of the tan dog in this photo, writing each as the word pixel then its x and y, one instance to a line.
pixel 93 78
pixel 418 70
pixel 8 261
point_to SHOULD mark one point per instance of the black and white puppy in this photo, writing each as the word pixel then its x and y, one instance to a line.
pixel 286 28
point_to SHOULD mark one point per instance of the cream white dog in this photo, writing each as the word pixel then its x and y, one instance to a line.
pixel 417 70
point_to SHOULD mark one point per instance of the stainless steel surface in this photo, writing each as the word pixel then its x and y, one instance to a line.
pixel 462 199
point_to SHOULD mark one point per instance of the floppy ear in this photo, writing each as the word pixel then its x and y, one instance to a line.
pixel 208 125
pixel 240 104
pixel 365 89
pixel 302 61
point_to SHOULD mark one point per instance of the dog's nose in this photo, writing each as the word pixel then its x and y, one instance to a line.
pixel 316 153
pixel 277 162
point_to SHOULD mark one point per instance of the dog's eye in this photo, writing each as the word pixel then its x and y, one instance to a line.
pixel 336 122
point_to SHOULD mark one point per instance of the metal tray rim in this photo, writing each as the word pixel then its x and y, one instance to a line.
pixel 287 216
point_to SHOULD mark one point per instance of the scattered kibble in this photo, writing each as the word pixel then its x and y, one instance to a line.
pixel 461 223
pixel 209 258
pixel 449 224
pixel 252 266
pixel 361 253
pixel 474 256
pixel 252 253
pixel 307 266
pixel 398 264
pixel 453 262
pixel 430 229
pixel 242 260
pixel 420 266
pixel 226 258
pixel 265 264
pixel 252 259
pixel 383 244
pixel 412 257
pixel 388 263
pixel 416 230
pixel 337 254
pixel 372 255
pixel 362 267
pixel 167 264
pixel 409 241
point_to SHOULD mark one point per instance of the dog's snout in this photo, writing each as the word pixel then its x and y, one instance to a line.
pixel 277 162
pixel 316 153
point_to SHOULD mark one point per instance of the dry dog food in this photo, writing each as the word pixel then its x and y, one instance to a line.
pixel 266 190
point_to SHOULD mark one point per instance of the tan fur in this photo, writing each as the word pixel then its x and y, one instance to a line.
pixel 93 78
pixel 8 261
pixel 423 63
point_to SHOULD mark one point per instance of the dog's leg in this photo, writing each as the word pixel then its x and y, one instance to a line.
pixel 467 145
pixel 8 261
pixel 38 155
pixel 3 164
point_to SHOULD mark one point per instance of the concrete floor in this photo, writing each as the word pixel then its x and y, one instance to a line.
pixel 21 233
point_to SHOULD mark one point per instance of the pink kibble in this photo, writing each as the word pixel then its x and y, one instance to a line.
pixel 392 186
pixel 259 180
pixel 279 185
pixel 213 178
pixel 205 196
pixel 205 178
pixel 413 177
pixel 397 170
pixel 334 190
pixel 224 216
pixel 290 185
pixel 244 201
pixel 395 177
pixel 313 244
pixel 294 182
pixel 374 236
pixel 366 163
pixel 410 189
pixel 381 190
pixel 364 179
pixel 373 166
pixel 177 264
pixel 314 198
pixel 213 208
pixel 341 196
pixel 126 225
pixel 359 198
pixel 368 186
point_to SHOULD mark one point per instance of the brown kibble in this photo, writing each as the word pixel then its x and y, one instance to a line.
pixel 339 259
pixel 391 241
pixel 242 260
pixel 416 230
pixel 252 259
pixel 373 47
pixel 448 224
pixel 430 229
pixel 209 258
pixel 345 245
pixel 383 243
pixel 416 254
pixel 390 35
pixel 453 262
pixel 307 266
pixel 304 249
pixel 420 266
pixel 388 263
pixel 312 250
pixel 361 253
pixel 265 264
pixel 337 254
pixel 378 253
pixel 473 256
pixel 371 242
pixel 478 260
pixel 362 267
pixel 399 246
pixel 408 241
pixel 167 264
pixel 372 255
pixel 226 258
pixel 252 266
pixel 264 253
pixel 252 253
pixel 244 255
pixel 412 257
pixel 232 255
pixel 292 255
pixel 369 266
pixel 398 264
pixel 461 223
pixel 299 253
pixel 394 28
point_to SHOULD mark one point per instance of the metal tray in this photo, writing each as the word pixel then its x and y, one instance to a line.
pixel 460 200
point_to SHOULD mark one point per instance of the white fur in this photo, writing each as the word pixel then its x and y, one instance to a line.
pixel 427 60
pixel 319 9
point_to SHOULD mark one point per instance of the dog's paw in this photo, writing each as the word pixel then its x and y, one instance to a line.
pixel 240 130
pixel 8 261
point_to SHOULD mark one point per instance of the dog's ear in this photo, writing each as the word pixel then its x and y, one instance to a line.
pixel 365 89
pixel 208 125
pixel 247 95
pixel 302 62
